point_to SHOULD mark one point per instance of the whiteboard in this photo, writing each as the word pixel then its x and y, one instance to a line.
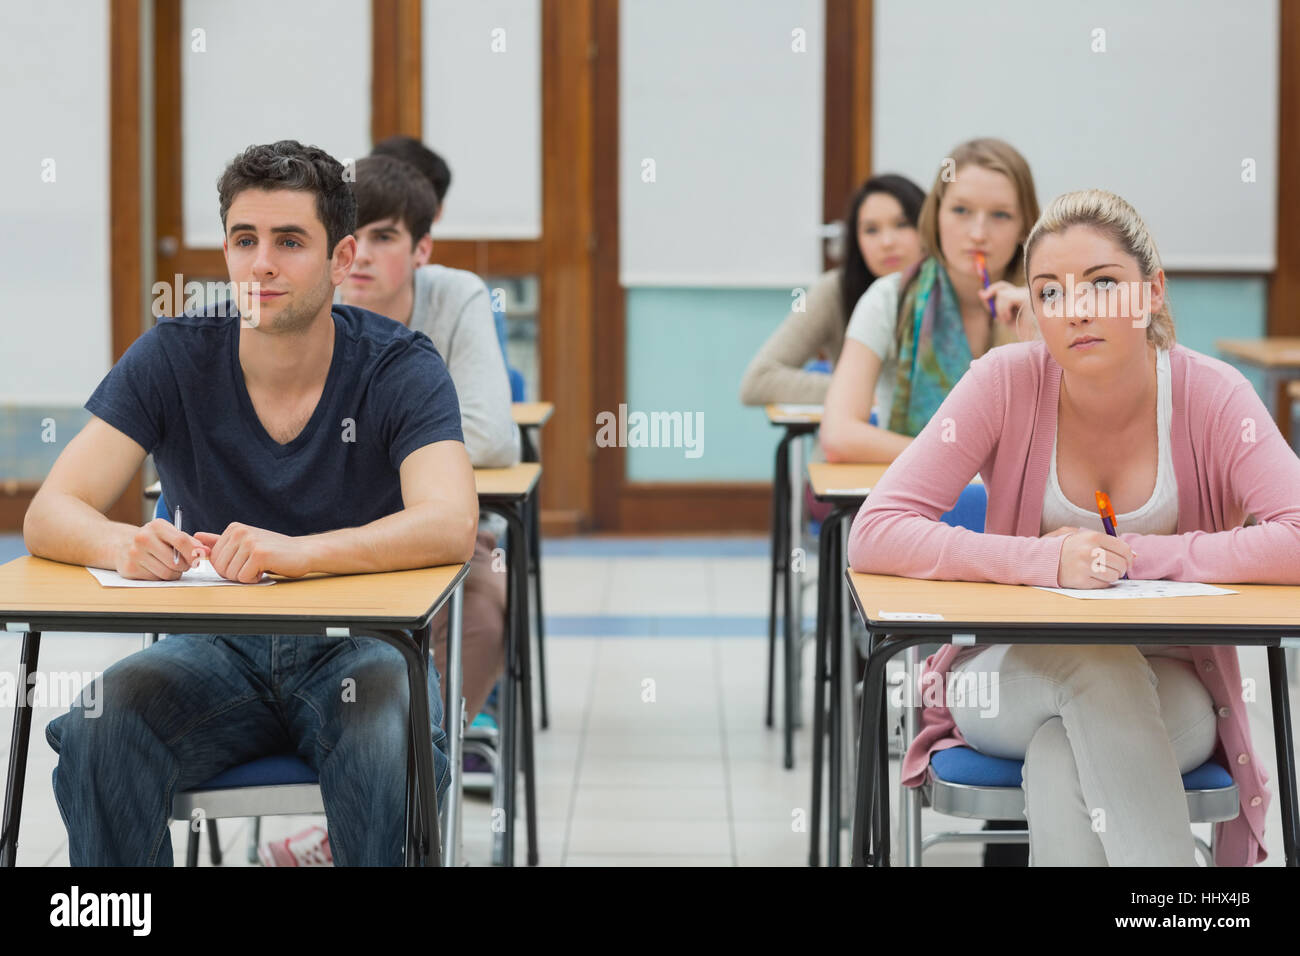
pixel 1184 92
pixel 262 72
pixel 54 248
pixel 482 112
pixel 725 98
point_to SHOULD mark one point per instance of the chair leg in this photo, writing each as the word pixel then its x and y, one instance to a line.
pixel 910 797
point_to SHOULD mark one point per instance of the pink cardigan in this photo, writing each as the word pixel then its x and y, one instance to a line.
pixel 1000 421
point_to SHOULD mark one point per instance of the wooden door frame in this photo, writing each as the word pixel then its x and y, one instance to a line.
pixel 126 266
pixel 1284 283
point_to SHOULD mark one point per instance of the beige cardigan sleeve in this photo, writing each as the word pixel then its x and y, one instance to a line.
pixel 776 373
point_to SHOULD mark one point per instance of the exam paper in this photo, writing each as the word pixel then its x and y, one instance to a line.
pixel 204 576
pixel 1141 589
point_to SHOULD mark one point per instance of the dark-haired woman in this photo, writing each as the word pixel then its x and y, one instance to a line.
pixel 880 238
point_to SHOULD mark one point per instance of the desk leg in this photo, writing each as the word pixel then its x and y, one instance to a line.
pixel 526 699
pixel 873 691
pixel 834 587
pixel 848 673
pixel 780 498
pixel 1286 780
pixel 882 835
pixel 455 720
pixel 509 722
pixel 516 708
pixel 792 627
pixel 423 824
pixel 535 551
pixel 22 728
pixel 819 694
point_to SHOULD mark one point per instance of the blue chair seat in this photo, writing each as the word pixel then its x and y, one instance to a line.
pixel 962 765
pixel 969 510
pixel 276 771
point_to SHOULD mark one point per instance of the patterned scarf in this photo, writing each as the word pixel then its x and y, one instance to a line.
pixel 933 352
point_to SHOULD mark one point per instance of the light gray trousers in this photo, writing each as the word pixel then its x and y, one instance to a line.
pixel 1105 733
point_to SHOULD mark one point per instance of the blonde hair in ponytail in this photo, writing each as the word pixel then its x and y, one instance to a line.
pixel 1114 218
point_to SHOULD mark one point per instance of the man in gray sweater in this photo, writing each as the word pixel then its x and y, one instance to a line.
pixel 395 208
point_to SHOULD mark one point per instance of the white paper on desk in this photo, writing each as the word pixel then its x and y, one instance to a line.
pixel 204 576
pixel 799 409
pixel 1141 589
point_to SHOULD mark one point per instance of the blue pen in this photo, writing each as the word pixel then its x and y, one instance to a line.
pixel 1108 519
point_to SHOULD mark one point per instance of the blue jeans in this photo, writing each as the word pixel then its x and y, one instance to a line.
pixel 192 705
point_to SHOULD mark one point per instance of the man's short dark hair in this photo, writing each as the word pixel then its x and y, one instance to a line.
pixel 387 188
pixel 410 150
pixel 290 165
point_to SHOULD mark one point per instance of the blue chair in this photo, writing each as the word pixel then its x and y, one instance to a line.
pixel 969 510
pixel 275 785
pixel 515 376
pixel 963 782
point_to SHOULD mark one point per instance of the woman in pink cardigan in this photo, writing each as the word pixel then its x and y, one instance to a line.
pixel 1185 450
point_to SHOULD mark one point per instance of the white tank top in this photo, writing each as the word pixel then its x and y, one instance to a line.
pixel 1159 515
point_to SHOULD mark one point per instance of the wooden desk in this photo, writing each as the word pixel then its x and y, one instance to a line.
pixel 512 494
pixel 1279 358
pixel 787 521
pixel 1273 352
pixel 38 596
pixel 778 414
pixel 1259 615
pixel 531 414
pixel 843 482
pixel 508 484
pixel 530 417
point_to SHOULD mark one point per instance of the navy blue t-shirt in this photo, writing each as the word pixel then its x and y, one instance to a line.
pixel 179 392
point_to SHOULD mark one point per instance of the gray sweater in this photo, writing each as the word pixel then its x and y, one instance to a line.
pixel 452 308
pixel 776 373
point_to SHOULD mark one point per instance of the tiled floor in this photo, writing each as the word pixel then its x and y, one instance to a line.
pixel 656 754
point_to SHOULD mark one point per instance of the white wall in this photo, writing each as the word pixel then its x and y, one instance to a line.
pixel 1184 91
pixel 293 69
pixel 55 327
pixel 732 115
pixel 482 103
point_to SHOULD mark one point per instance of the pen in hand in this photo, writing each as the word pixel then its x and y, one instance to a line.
pixel 176 554
pixel 983 270
pixel 1108 520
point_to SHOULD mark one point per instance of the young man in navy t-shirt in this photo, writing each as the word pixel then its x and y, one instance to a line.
pixel 297 438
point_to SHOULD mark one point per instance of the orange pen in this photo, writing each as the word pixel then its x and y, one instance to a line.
pixel 1108 519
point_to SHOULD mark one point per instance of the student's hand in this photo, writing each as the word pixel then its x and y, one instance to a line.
pixel 149 554
pixel 244 553
pixel 1090 559
pixel 1008 300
